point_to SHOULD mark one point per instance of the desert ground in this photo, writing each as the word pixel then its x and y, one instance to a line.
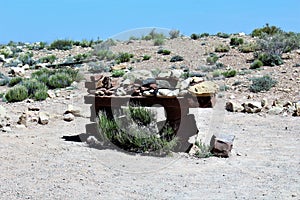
pixel 37 162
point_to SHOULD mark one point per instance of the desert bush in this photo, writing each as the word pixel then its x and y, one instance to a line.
pixel 61 45
pixel 59 80
pixel 123 57
pixel 117 73
pixel 6 51
pixel 217 66
pixel 84 43
pixel 80 57
pixel 47 59
pixel 256 64
pixel 279 43
pixel 135 137
pixel 267 29
pixel 264 83
pixel 37 46
pixel 32 86
pixel 3 79
pixel 236 41
pixel 40 94
pixel 176 58
pixel 146 57
pixel 229 73
pixel 195 36
pixel 105 55
pixel 222 48
pixel 203 150
pixel 164 52
pixel 105 45
pixel 212 59
pixel 14 81
pixel 98 67
pixel 16 93
pixel 216 73
pixel 248 47
pixel 174 34
pixel 222 35
pixel 26 58
pixel 269 59
pixel 158 41
pixel 204 35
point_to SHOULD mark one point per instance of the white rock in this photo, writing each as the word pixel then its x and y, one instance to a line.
pixel 73 110
pixel 44 118
pixel 69 117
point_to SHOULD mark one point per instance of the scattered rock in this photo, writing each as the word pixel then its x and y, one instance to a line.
pixel 297 110
pixel 252 107
pixel 73 110
pixel 51 94
pixel 264 102
pixel 275 110
pixel 44 118
pixel 69 117
pixel 221 145
pixel 22 119
pixel 163 84
pixel 119 67
pixel 33 108
pixel 234 107
pixel 164 74
pixel 167 93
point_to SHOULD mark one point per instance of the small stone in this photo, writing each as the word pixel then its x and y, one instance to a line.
pixel 33 108
pixel 22 119
pixel 20 126
pixel 222 144
pixel 6 129
pixel 73 110
pixel 234 107
pixel 51 94
pixel 69 117
pixel 264 102
pixel 44 118
pixel 252 107
pixel 276 110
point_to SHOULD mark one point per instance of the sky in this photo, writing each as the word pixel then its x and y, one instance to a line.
pixel 48 20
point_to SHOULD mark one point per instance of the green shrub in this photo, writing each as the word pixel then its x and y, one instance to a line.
pixel 268 30
pixel 204 35
pixel 147 37
pixel 222 48
pixel 158 41
pixel 216 73
pixel 236 41
pixel 256 64
pixel 3 79
pixel 33 85
pixel 61 45
pixel 16 93
pixel 48 59
pixel 195 36
pixel 248 47
pixel 26 58
pixel 146 57
pixel 269 59
pixel 59 80
pixel 105 54
pixel 141 115
pixel 223 35
pixel 176 58
pixel 212 59
pixel 117 73
pixel 229 73
pixel 14 81
pixel 203 150
pixel 164 52
pixel 135 137
pixel 264 83
pixel 80 57
pixel 123 57
pixel 174 34
pixel 40 95
pixel 84 43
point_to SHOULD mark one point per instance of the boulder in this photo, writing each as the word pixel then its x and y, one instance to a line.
pixel 166 93
pixel 164 74
pixel 204 88
pixel 275 110
pixel 232 106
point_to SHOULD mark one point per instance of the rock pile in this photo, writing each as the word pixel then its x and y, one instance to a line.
pixel 165 85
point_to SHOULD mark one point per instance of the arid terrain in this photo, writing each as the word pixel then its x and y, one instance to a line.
pixel 37 162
